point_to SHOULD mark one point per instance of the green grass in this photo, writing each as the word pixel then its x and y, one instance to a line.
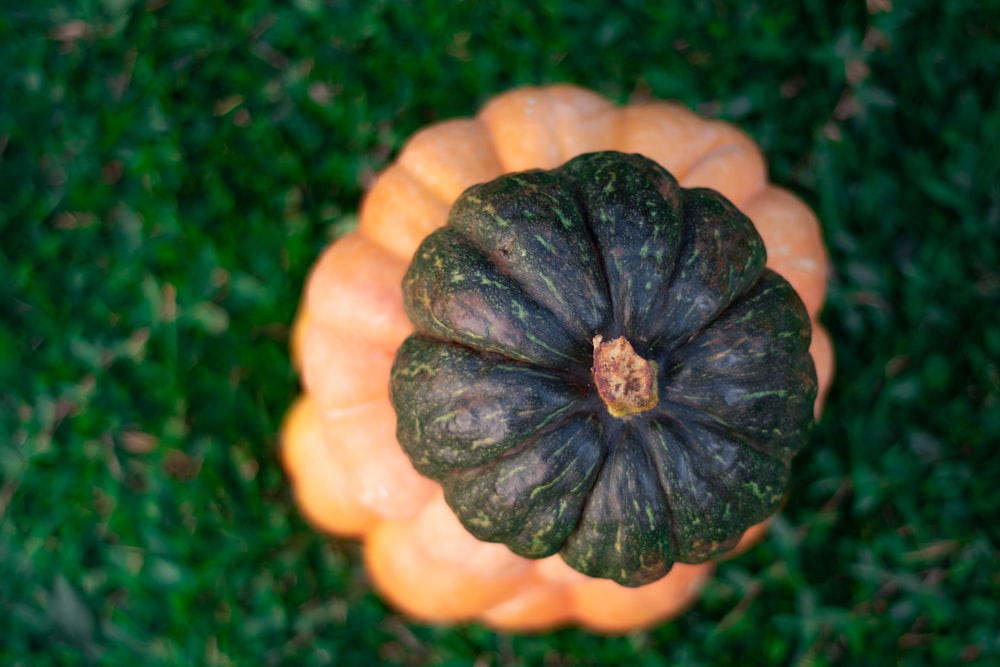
pixel 170 169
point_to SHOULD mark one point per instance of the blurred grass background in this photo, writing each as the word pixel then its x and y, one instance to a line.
pixel 169 169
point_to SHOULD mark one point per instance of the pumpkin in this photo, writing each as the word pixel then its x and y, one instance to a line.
pixel 603 368
pixel 563 442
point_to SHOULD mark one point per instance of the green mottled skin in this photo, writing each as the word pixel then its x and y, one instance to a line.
pixel 494 393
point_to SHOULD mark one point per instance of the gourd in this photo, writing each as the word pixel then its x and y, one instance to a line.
pixel 376 313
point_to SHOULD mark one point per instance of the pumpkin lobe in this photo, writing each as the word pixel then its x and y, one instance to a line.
pixel 625 381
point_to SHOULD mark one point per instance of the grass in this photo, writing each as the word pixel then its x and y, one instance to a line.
pixel 170 169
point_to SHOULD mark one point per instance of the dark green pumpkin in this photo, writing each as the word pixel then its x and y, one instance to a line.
pixel 497 392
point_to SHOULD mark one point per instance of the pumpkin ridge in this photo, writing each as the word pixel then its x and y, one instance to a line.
pixel 457 485
pixel 655 313
pixel 780 328
pixel 578 191
pixel 701 210
pixel 562 311
pixel 691 549
pixel 445 421
pixel 675 411
pixel 660 307
pixel 620 519
pixel 443 306
pixel 566 414
pixel 644 433
pixel 676 401
pixel 575 190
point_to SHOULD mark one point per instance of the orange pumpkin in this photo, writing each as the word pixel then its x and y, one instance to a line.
pixel 349 474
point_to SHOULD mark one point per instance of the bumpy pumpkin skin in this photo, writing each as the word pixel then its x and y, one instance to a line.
pixel 496 397
pixel 523 129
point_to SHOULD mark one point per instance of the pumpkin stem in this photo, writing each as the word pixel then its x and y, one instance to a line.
pixel 625 381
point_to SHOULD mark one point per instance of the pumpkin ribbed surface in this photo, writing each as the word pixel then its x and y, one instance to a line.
pixel 663 443
pixel 352 477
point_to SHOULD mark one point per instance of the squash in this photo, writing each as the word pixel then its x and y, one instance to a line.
pixel 603 368
pixel 353 334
